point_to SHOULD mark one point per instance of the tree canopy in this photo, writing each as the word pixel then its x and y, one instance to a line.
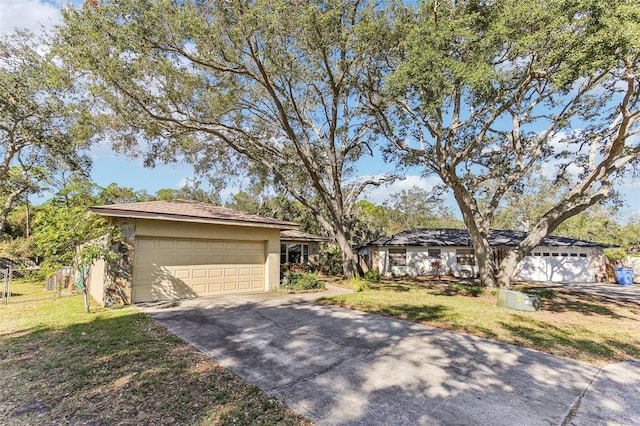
pixel 41 125
pixel 274 86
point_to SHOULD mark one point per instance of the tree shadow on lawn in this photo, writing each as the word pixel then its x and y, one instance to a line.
pixel 586 304
pixel 557 299
pixel 125 370
pixel 551 339
pixel 415 313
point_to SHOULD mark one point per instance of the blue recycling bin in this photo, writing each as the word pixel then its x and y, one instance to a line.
pixel 624 276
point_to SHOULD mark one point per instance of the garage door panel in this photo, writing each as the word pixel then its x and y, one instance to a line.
pixel 215 273
pixel 199 273
pixel 164 244
pixel 184 244
pixel 146 244
pixel 214 288
pixel 244 272
pixel 176 268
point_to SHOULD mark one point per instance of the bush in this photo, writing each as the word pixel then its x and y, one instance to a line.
pixel 373 276
pixel 473 290
pixel 617 254
pixel 331 261
pixel 358 283
pixel 302 281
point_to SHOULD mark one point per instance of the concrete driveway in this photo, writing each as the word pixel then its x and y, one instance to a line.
pixel 342 367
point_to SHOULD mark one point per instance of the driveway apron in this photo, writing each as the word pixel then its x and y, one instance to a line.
pixel 342 367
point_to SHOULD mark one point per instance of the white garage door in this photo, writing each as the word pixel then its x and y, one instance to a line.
pixel 169 268
pixel 556 268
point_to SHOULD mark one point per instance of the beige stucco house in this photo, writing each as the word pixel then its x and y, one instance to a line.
pixel 177 249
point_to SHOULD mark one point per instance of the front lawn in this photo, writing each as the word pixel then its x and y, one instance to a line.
pixel 59 365
pixel 581 326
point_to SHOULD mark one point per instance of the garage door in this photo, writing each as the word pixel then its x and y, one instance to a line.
pixel 169 268
pixel 556 268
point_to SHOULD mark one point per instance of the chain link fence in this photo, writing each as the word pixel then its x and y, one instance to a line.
pixel 62 283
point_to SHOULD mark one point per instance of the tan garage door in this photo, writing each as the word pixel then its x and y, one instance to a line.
pixel 169 268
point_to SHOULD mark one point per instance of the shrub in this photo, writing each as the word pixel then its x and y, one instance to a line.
pixel 436 267
pixel 542 293
pixel 473 290
pixel 617 254
pixel 373 276
pixel 358 283
pixel 330 262
pixel 294 280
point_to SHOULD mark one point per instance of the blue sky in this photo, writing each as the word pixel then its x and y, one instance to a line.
pixel 109 167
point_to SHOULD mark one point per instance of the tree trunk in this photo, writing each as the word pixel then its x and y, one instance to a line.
pixel 506 268
pixel 479 241
pixel 486 263
pixel 86 297
pixel 348 263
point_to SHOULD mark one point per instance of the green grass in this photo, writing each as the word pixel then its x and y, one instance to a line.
pixel 23 289
pixel 59 365
pixel 580 326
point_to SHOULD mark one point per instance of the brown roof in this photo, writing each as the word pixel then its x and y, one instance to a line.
pixel 295 235
pixel 189 211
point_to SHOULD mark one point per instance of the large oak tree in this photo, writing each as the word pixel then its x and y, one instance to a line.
pixel 486 94
pixel 275 85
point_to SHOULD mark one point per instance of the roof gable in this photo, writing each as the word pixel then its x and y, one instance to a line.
pixel 189 211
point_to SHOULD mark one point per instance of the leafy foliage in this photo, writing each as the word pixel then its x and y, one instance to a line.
pixel 42 123
pixel 373 276
pixel 267 87
pixel 299 280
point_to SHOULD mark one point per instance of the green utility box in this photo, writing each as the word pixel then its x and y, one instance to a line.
pixel 517 300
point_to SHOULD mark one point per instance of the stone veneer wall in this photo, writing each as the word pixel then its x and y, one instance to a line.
pixel 118 276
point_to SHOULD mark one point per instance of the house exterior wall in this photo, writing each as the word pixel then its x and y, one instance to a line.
pixel 418 262
pixel 96 281
pixel 118 278
pixel 571 264
pixel 634 262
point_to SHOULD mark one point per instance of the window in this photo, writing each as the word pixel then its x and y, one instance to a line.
pixel 434 253
pixel 574 254
pixel 294 253
pixel 536 254
pixel 545 254
pixel 583 254
pixel 465 257
pixel 564 254
pixel 397 257
pixel 554 254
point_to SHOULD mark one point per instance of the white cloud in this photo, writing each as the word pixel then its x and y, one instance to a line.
pixel 29 14
pixel 379 194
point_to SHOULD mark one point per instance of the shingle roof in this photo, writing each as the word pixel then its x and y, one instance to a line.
pixel 294 235
pixel 189 211
pixel 460 237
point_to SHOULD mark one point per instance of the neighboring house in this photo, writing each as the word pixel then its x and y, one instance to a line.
pixel 412 253
pixel 176 249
